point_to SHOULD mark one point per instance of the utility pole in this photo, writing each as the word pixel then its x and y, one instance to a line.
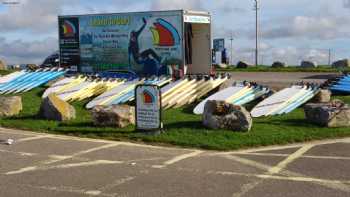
pixel 329 56
pixel 256 8
pixel 231 39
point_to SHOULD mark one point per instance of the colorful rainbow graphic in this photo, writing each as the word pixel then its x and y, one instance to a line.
pixel 164 33
pixel 148 97
pixel 68 28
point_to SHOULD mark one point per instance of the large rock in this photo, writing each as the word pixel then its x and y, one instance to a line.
pixel 10 106
pixel 222 115
pixel 242 64
pixel 324 96
pixel 118 116
pixel 332 114
pixel 53 108
pixel 278 65
pixel 308 64
pixel 345 63
pixel 3 65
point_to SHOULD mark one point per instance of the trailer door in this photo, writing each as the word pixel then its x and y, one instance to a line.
pixel 197 44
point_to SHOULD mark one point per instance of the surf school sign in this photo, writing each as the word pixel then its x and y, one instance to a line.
pixel 143 42
pixel 148 108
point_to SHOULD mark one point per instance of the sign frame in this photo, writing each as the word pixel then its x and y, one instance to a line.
pixel 219 44
pixel 159 101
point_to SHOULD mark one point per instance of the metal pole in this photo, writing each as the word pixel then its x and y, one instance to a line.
pixel 231 39
pixel 329 56
pixel 256 33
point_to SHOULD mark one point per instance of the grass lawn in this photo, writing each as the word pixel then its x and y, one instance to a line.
pixel 181 126
pixel 286 69
pixel 5 72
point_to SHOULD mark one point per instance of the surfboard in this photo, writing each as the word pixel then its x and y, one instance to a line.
pixel 184 97
pixel 68 93
pixel 219 96
pixel 18 81
pixel 274 101
pixel 216 83
pixel 175 92
pixel 172 87
pixel 302 91
pixel 258 94
pixel 180 92
pixel 11 76
pixel 63 84
pixel 109 95
pixel 299 101
pixel 42 80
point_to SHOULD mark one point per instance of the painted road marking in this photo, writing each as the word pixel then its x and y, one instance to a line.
pixel 31 138
pixel 64 166
pixel 62 158
pixel 303 156
pixel 283 164
pixel 178 158
pixel 288 173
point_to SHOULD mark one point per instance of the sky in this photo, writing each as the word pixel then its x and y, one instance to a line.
pixel 289 30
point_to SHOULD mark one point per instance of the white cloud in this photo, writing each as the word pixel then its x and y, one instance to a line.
pixel 32 15
pixel 314 27
pixel 178 4
pixel 19 51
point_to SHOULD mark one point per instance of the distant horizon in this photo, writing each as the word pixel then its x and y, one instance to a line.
pixel 291 31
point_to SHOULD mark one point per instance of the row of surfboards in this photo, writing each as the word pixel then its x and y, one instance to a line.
pixel 341 84
pixel 116 91
pixel 282 102
pixel 174 93
pixel 286 100
pixel 25 80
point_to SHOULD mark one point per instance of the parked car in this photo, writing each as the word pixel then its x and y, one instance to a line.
pixel 52 60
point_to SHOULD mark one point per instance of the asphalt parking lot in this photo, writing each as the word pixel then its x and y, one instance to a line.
pixel 49 165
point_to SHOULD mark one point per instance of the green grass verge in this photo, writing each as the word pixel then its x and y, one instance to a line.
pixel 286 69
pixel 5 72
pixel 181 126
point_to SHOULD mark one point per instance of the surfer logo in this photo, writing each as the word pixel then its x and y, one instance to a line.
pixel 164 33
pixel 69 29
pixel 147 97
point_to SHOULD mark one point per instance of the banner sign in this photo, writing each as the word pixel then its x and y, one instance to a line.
pixel 196 19
pixel 69 41
pixel 219 44
pixel 148 108
pixel 145 43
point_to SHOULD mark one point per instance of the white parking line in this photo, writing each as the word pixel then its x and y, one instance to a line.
pixel 64 166
pixel 283 164
pixel 178 158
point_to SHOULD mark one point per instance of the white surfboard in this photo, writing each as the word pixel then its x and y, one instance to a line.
pixel 11 76
pixel 108 95
pixel 59 85
pixel 219 96
pixel 68 93
pixel 274 101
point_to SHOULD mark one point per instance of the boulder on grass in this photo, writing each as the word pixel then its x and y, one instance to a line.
pixel 324 96
pixel 279 65
pixel 53 108
pixel 332 114
pixel 308 64
pixel 222 115
pixel 10 106
pixel 3 65
pixel 345 63
pixel 242 64
pixel 118 116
